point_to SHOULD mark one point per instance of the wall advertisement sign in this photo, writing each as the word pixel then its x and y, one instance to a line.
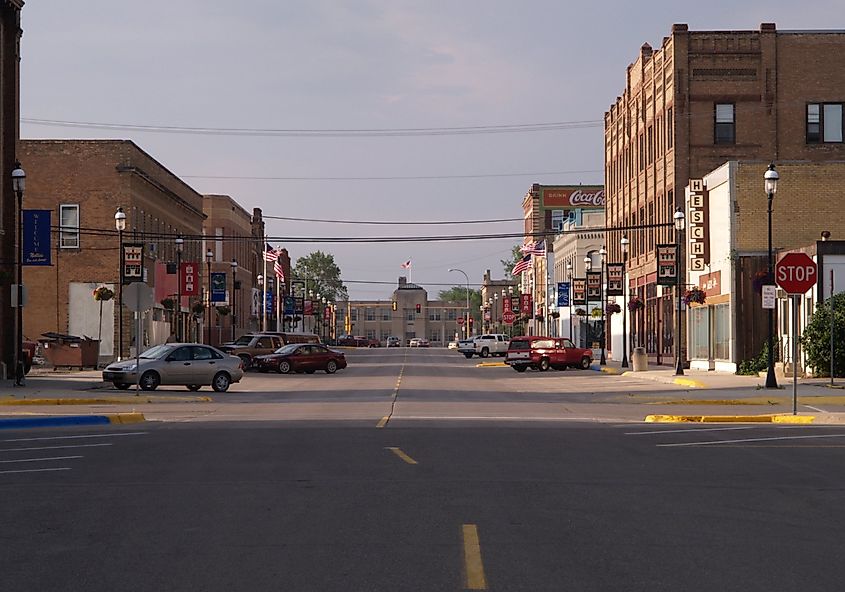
pixel 563 293
pixel 594 286
pixel 614 279
pixel 579 291
pixel 133 262
pixel 36 237
pixel 698 230
pixel 667 265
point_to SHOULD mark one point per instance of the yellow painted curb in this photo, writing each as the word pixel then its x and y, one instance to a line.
pixel 490 365
pixel 688 382
pixel 124 418
pixel 795 419
pixel 802 419
pixel 106 400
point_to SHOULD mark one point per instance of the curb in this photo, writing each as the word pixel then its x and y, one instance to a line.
pixel 10 423
pixel 688 382
pixel 606 370
pixel 769 418
pixel 490 365
pixel 106 400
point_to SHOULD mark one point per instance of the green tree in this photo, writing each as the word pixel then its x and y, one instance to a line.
pixel 322 275
pixel 516 257
pixel 458 295
pixel 816 338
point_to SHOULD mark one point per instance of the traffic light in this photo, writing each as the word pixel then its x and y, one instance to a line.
pixel 395 305
pixel 419 308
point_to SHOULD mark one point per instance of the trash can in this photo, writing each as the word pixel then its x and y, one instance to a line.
pixel 639 359
pixel 70 351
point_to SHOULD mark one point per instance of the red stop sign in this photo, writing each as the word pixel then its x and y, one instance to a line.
pixel 461 320
pixel 796 273
pixel 508 317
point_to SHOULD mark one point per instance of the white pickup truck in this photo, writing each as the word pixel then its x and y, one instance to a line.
pixel 489 344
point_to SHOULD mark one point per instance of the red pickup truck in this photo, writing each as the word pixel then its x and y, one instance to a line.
pixel 542 353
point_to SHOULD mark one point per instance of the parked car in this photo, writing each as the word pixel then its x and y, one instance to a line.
pixel 357 341
pixel 30 349
pixel 394 342
pixel 188 364
pixel 542 353
pixel 302 358
pixel 452 345
pixel 418 342
pixel 489 344
pixel 246 347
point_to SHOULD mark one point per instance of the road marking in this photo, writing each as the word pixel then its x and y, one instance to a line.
pixel 493 417
pixel 35 470
pixel 395 450
pixel 474 568
pixel 711 442
pixel 815 408
pixel 80 436
pixel 39 459
pixel 383 421
pixel 52 447
pixel 689 430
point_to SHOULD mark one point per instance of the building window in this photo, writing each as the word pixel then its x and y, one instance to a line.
pixel 650 134
pixel 824 123
pixel 353 315
pixel 385 334
pixel 371 314
pixel 434 314
pixel 385 314
pixel 371 334
pixel 451 315
pixel 69 226
pixel 725 132
pixel 410 314
pixel 558 216
pixel 435 335
pixel 670 129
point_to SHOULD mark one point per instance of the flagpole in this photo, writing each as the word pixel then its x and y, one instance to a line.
pixel 278 303
pixel 264 284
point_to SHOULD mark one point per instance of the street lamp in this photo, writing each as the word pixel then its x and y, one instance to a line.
pixel 180 245
pixel 588 267
pixel 770 182
pixel 495 306
pixel 623 244
pixel 234 265
pixel 679 228
pixel 466 321
pixel 261 316
pixel 208 256
pixel 19 185
pixel 569 279
pixel 324 317
pixel 120 225
pixel 603 360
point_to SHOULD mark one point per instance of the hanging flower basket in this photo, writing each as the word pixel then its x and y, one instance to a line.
pixel 613 308
pixel 580 312
pixel 103 294
pixel 635 304
pixel 198 308
pixel 555 315
pixel 762 278
pixel 694 296
pixel 169 303
pixel 538 318
pixel 223 310
pixel 596 313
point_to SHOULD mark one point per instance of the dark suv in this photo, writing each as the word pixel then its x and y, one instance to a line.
pixel 246 347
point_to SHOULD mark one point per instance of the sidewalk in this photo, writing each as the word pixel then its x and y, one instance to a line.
pixel 700 379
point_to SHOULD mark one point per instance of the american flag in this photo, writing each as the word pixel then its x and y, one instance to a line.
pixel 407 264
pixel 277 269
pixel 537 248
pixel 270 254
pixel 523 264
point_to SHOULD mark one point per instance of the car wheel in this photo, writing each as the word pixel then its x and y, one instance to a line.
pixel 284 367
pixel 468 356
pixel 519 368
pixel 247 361
pixel 121 385
pixel 194 387
pixel 331 367
pixel 149 380
pixel 220 383
pixel 485 352
pixel 585 363
pixel 543 365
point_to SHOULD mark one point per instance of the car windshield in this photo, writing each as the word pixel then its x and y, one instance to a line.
pixel 287 349
pixel 243 340
pixel 156 352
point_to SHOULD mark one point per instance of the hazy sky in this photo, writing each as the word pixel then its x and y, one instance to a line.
pixel 381 64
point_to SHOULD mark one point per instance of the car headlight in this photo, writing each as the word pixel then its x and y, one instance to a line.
pixel 130 368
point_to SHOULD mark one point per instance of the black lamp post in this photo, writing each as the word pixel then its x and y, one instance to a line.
pixel 208 256
pixel 234 296
pixel 588 267
pixel 679 229
pixel 120 225
pixel 262 313
pixel 569 279
pixel 623 244
pixel 603 359
pixel 19 185
pixel 180 244
pixel 770 180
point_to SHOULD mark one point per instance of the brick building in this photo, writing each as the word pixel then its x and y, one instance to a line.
pixel 82 183
pixel 10 35
pixel 701 99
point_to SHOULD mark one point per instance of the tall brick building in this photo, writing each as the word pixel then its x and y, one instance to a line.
pixel 701 99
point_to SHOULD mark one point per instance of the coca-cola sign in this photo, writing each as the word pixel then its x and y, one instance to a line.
pixel 574 197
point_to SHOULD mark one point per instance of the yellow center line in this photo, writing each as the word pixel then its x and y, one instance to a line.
pixel 475 579
pixel 398 452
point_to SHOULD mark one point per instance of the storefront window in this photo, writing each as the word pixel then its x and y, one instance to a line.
pixel 699 330
pixel 721 332
pixel 652 311
pixel 670 324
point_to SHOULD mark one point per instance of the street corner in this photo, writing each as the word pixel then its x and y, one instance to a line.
pixel 607 370
pixel 53 421
pixel 764 418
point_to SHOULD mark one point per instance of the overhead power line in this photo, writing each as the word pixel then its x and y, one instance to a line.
pixel 392 178
pixel 405 223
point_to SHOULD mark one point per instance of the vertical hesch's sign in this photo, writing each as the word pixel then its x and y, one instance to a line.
pixel 587 197
pixel 698 231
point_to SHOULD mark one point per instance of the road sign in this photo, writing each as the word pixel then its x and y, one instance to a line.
pixel 796 273
pixel 508 317
pixel 769 296
pixel 461 320
pixel 138 296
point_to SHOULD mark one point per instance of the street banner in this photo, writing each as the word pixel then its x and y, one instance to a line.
pixel 594 286
pixel 133 262
pixel 563 293
pixel 218 286
pixel 667 265
pixel 190 278
pixel 614 278
pixel 290 305
pixel 515 305
pixel 308 308
pixel 255 305
pixel 268 304
pixel 506 304
pixel 525 304
pixel 579 292
pixel 36 237
pixel 299 305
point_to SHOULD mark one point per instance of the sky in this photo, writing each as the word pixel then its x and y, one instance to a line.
pixel 362 65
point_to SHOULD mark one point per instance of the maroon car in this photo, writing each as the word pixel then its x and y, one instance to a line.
pixel 301 357
pixel 542 353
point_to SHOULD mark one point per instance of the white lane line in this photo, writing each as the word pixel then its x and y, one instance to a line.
pixel 19 460
pixel 79 436
pixel 688 430
pixel 815 408
pixel 52 447
pixel 34 470
pixel 711 442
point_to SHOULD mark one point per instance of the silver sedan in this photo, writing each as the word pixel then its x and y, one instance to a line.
pixel 189 364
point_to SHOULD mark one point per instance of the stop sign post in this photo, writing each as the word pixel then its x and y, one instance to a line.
pixel 796 273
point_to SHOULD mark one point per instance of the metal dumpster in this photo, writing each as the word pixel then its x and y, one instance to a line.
pixel 70 351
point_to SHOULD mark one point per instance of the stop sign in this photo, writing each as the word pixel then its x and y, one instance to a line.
pixel 796 273
pixel 461 320
pixel 508 317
